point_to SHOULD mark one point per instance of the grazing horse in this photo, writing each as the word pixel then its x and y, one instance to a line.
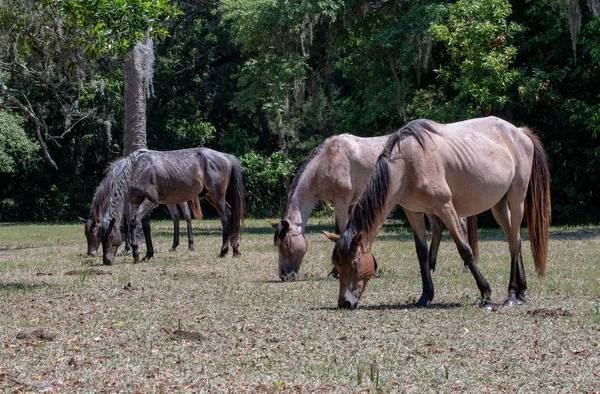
pixel 147 178
pixel 101 196
pixel 451 170
pixel 336 172
pixel 90 226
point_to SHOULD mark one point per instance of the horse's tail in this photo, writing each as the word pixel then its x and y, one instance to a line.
pixel 538 209
pixel 234 196
pixel 194 204
pixel 472 233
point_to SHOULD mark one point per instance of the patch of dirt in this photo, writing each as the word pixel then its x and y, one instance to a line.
pixel 546 312
pixel 91 271
pixel 187 335
pixel 36 334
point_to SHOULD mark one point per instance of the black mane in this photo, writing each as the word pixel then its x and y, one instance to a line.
pixel 373 199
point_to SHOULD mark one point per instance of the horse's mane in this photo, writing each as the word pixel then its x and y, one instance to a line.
pixel 279 233
pixel 117 183
pixel 104 189
pixel 373 199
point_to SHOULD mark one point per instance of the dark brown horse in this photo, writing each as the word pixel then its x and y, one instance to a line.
pixel 90 226
pixel 451 170
pixel 147 178
pixel 336 172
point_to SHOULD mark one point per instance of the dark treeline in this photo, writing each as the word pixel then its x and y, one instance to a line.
pixel 270 80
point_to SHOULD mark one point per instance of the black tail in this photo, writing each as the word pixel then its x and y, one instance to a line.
pixel 235 197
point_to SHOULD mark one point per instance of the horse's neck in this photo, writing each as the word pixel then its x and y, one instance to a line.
pixel 299 206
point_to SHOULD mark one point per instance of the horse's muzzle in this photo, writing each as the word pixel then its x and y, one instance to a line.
pixel 347 304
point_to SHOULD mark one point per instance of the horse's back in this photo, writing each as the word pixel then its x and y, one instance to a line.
pixel 344 164
pixel 474 163
pixel 168 177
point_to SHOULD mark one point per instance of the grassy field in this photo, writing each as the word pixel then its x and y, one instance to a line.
pixel 191 322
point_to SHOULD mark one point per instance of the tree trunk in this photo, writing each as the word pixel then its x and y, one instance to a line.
pixel 137 79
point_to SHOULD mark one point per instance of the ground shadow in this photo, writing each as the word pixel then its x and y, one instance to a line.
pixel 381 307
pixel 17 286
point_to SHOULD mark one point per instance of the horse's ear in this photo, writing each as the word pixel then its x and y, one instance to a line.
pixel 332 237
pixel 273 224
pixel 81 219
pixel 285 224
pixel 357 238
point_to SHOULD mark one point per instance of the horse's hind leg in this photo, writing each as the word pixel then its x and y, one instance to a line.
pixel 174 212
pixel 454 226
pixel 506 217
pixel 417 223
pixel 187 215
pixel 221 207
pixel 436 237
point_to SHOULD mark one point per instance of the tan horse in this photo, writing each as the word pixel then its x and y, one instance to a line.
pixel 451 170
pixel 337 172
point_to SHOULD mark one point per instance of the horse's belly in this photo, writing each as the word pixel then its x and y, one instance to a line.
pixel 175 192
pixel 473 196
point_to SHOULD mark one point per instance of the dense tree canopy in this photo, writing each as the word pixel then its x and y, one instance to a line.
pixel 268 80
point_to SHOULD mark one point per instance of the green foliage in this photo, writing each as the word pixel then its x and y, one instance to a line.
pixel 237 141
pixel 479 41
pixel 265 178
pixel 114 26
pixel 16 148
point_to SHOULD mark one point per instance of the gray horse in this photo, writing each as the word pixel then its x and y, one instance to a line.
pixel 147 178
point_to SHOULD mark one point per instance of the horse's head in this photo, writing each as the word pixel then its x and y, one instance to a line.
pixel 90 229
pixel 111 240
pixel 355 265
pixel 291 246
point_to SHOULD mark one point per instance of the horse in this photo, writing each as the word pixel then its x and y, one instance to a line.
pixel 451 170
pixel 336 172
pixel 176 211
pixel 146 178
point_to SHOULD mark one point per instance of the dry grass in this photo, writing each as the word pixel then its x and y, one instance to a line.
pixel 191 322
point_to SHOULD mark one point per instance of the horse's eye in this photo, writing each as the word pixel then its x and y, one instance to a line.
pixel 354 263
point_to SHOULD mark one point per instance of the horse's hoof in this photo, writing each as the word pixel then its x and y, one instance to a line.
pixel 191 248
pixel 174 248
pixel 292 276
pixel 489 306
pixel 237 253
pixel 510 302
pixel 136 259
pixel 423 301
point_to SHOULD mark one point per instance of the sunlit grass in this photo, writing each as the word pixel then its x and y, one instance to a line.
pixel 115 332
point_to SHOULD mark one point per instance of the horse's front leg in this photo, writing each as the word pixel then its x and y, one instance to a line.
pixel 143 210
pixel 342 212
pixel 436 237
pixel 126 233
pixel 417 223
pixel 148 237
